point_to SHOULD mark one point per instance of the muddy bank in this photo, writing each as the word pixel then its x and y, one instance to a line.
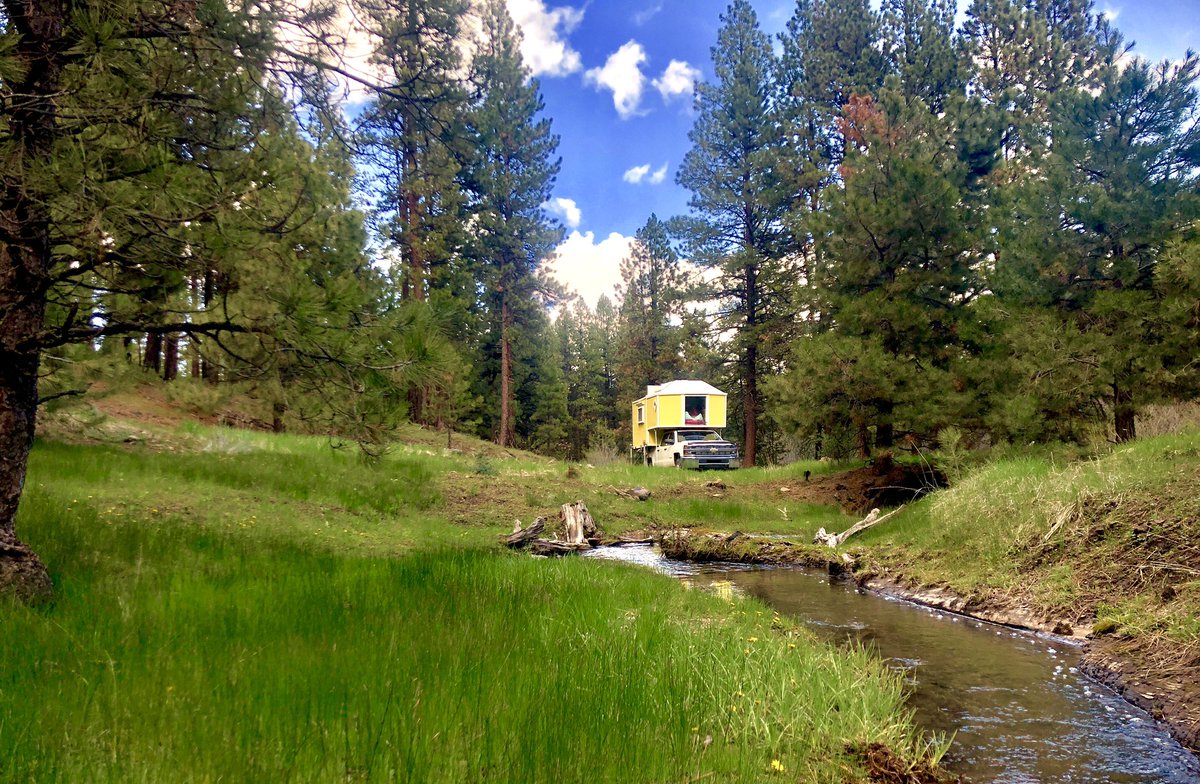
pixel 1162 678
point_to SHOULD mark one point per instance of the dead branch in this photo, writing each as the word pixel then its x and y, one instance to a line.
pixel 871 520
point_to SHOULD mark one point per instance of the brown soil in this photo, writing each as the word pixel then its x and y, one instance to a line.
pixel 884 483
pixel 1159 676
pixel 885 766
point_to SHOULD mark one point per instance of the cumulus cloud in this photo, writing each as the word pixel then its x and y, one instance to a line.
pixel 1110 13
pixel 640 174
pixel 622 74
pixel 544 31
pixel 566 209
pixel 636 174
pixel 679 79
pixel 588 267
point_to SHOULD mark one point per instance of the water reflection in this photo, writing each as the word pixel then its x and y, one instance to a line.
pixel 1019 707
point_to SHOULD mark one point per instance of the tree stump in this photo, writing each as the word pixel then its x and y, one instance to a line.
pixel 576 524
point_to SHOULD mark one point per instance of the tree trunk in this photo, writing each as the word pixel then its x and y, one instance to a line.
pixel 170 367
pixel 505 374
pixel 152 359
pixel 208 369
pixel 884 429
pixel 278 409
pixel 750 400
pixel 863 438
pixel 1124 414
pixel 25 257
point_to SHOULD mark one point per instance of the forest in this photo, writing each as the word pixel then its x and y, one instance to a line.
pixel 902 233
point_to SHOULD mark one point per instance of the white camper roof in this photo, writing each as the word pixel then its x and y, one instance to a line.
pixel 683 387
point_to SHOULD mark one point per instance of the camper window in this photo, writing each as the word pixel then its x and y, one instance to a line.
pixel 695 410
pixel 641 414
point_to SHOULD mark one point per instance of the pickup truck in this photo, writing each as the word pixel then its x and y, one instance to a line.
pixel 696 449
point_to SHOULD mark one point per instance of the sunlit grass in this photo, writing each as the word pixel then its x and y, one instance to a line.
pixel 276 611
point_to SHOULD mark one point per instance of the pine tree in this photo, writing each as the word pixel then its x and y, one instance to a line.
pixel 410 135
pixel 898 239
pixel 1118 187
pixel 654 291
pixel 829 52
pixel 92 200
pixel 509 179
pixel 918 41
pixel 738 200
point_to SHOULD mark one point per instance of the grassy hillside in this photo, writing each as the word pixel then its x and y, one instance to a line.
pixel 246 607
pixel 1112 539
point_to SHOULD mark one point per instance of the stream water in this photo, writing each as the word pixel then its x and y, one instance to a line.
pixel 1017 704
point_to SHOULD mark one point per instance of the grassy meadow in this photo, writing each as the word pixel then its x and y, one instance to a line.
pixel 234 606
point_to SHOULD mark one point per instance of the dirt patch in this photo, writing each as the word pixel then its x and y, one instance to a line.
pixel 1159 676
pixel 885 766
pixel 884 483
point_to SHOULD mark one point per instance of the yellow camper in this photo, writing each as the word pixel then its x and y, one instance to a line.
pixel 679 423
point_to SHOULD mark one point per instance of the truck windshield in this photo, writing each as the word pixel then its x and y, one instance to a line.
pixel 699 435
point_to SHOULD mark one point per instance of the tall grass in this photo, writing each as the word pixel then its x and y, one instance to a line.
pixel 178 651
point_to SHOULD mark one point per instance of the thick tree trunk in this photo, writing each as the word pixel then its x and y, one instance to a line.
pixel 170 367
pixel 505 375
pixel 152 359
pixel 278 409
pixel 25 257
pixel 884 429
pixel 1124 414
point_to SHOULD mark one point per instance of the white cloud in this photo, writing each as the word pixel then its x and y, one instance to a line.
pixel 590 268
pixel 679 79
pixel 646 14
pixel 640 174
pixel 544 46
pixel 636 174
pixel 566 209
pixel 622 73
pixel 1110 13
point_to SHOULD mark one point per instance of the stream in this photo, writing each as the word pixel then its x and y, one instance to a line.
pixel 1018 707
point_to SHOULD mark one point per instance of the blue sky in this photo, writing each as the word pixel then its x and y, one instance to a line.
pixel 616 76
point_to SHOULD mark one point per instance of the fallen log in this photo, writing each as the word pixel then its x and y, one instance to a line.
pixel 552 548
pixel 521 537
pixel 576 525
pixel 872 519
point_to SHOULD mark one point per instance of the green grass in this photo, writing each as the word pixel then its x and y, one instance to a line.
pixel 1102 538
pixel 268 610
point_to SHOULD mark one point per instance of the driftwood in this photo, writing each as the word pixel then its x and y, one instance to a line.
pixel 872 519
pixel 521 537
pixel 633 540
pixel 635 493
pixel 552 547
pixel 576 525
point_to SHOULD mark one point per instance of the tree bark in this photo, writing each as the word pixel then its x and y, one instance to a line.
pixel 170 368
pixel 505 374
pixel 152 359
pixel 25 257
pixel 884 429
pixel 1124 414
